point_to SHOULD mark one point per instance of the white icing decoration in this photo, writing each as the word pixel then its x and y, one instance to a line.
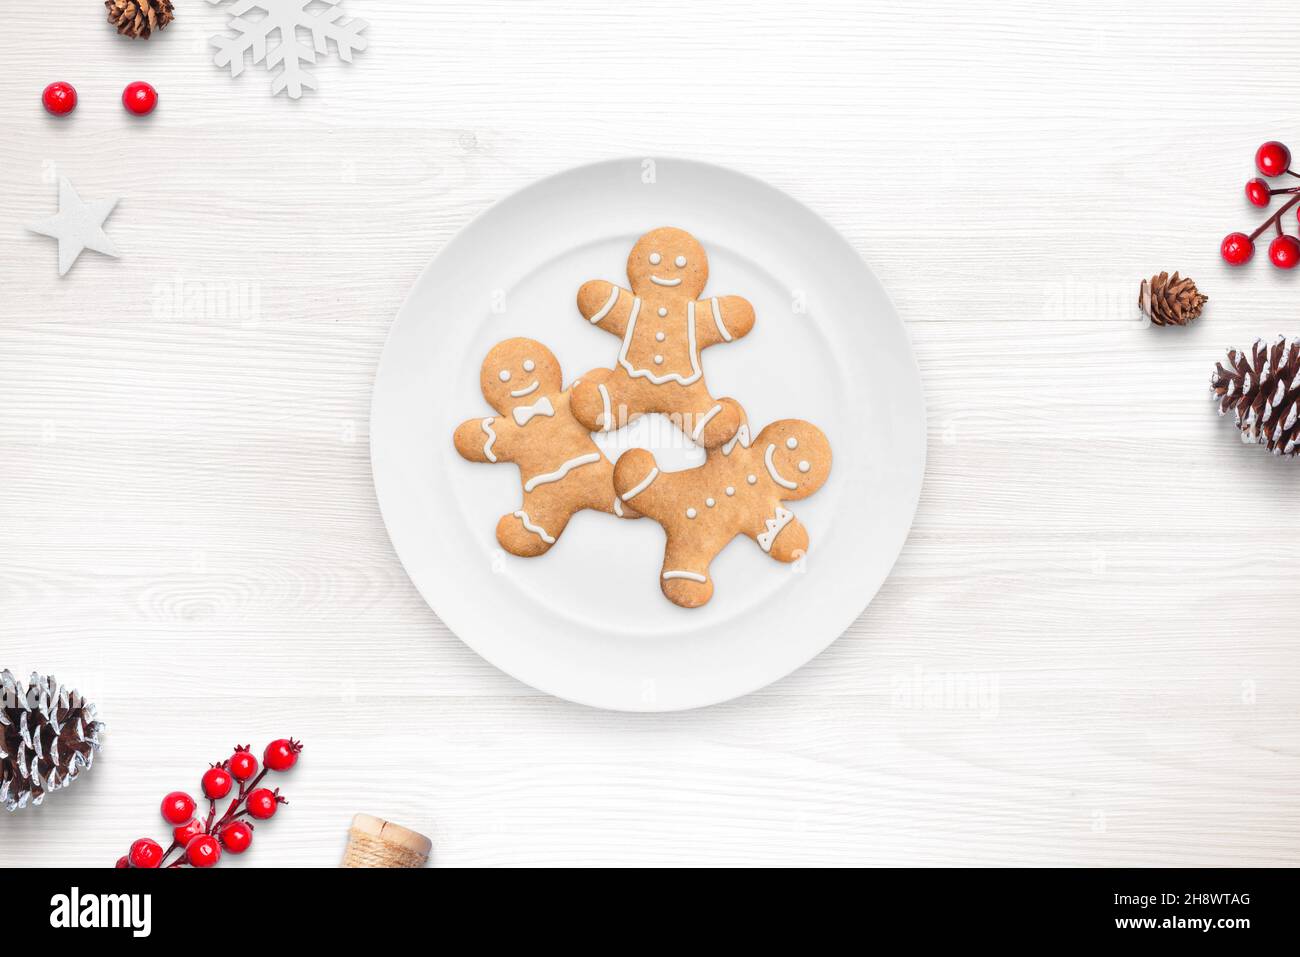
pixel 710 502
pixel 660 337
pixel 529 365
pixel 792 443
pixel 805 465
pixel 742 436
pixel 689 576
pixel 635 373
pixel 618 507
pixel 504 375
pixel 607 416
pixel 691 513
pixel 751 479
pixel 731 490
pixel 717 320
pixel 604 310
pixel 771 469
pixel 659 360
pixel 529 390
pixel 655 259
pixel 665 282
pixel 680 261
pixel 526 413
pixel 642 485
pixel 774 526
pixel 491 437
pixel 562 471
pixel 663 311
pixel 535 529
pixel 704 420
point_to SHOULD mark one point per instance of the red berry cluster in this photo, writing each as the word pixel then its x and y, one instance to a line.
pixel 200 842
pixel 1272 159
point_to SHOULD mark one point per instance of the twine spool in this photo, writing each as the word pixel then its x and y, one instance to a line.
pixel 374 842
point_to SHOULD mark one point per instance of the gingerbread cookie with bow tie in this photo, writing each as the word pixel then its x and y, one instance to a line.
pixel 561 468
pixel 739 490
pixel 664 326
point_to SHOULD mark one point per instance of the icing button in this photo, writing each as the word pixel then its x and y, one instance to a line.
pixel 731 490
pixel 710 502
pixel 659 360
pixel 663 311
pixel 691 513
pixel 751 479
pixel 660 337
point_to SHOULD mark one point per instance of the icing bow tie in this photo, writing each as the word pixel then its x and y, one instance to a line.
pixel 524 413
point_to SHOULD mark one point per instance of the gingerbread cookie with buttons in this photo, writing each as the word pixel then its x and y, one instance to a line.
pixel 664 325
pixel 561 468
pixel 739 490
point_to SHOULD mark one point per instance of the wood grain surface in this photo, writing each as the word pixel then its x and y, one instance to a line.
pixel 1087 653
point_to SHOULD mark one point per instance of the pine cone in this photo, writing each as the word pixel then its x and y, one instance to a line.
pixel 139 18
pixel 1262 391
pixel 1170 301
pixel 48 736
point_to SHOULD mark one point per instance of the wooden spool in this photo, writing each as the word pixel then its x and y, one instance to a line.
pixel 374 842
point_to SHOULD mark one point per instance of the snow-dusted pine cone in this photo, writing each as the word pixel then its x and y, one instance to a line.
pixel 1262 391
pixel 48 736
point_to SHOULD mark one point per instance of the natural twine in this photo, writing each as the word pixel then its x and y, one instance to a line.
pixel 366 850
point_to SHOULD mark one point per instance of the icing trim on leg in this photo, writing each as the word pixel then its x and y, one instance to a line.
pixel 535 529
pixel 642 485
pixel 547 477
pixel 689 576
pixel 606 417
pixel 704 420
pixel 618 507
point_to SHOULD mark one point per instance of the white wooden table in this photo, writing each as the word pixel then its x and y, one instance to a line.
pixel 1088 651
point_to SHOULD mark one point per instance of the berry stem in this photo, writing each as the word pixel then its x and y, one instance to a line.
pixel 1275 218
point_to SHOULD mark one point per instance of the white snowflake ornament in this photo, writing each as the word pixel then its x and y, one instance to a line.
pixel 290 21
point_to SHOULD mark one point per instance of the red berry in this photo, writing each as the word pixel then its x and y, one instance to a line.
pixel 1284 252
pixel 236 836
pixel 281 754
pixel 59 98
pixel 216 782
pixel 242 764
pixel 177 807
pixel 139 98
pixel 1237 248
pixel 121 863
pixel 182 834
pixel 262 804
pixel 1257 192
pixel 145 853
pixel 1273 158
pixel 203 851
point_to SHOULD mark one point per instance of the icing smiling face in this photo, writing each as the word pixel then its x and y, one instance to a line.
pixel 794 455
pixel 668 259
pixel 518 372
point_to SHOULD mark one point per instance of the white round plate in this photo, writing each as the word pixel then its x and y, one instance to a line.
pixel 587 621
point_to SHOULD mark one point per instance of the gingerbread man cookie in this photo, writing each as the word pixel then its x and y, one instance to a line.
pixel 738 490
pixel 664 326
pixel 561 468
